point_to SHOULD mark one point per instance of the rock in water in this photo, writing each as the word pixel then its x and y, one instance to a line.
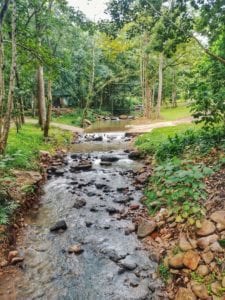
pixel 80 203
pixel 128 263
pixel 75 249
pixel 109 158
pixel 60 225
pixel 135 155
pixel 145 228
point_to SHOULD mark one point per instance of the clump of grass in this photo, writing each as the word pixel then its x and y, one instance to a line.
pixel 23 147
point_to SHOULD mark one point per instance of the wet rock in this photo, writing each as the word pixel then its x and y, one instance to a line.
pixel 208 257
pixel 123 117
pixel 115 254
pixel 202 270
pixel 204 242
pixel 98 138
pixel 100 186
pixel 199 290
pixel 82 166
pixel 207 228
pixel 145 228
pixel 135 155
pixel 17 260
pixel 112 210
pixel 184 244
pixel 105 163
pixel 12 254
pixel 176 261
pixel 134 280
pixel 89 223
pixel 130 229
pixel 185 294
pixel 109 158
pixel 191 260
pixel 128 263
pixel 60 172
pixel 61 225
pixel 80 203
pixel 91 194
pixel 93 209
pixel 77 249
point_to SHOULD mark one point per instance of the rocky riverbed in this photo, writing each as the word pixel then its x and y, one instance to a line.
pixel 82 243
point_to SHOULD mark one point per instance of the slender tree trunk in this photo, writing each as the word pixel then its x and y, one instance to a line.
pixel 49 109
pixel 41 96
pixel 91 85
pixel 2 83
pixel 159 100
pixel 148 99
pixel 7 119
pixel 174 91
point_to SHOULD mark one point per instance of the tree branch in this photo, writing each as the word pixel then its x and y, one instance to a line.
pixel 4 10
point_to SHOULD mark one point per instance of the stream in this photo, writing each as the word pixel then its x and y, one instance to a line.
pixel 113 264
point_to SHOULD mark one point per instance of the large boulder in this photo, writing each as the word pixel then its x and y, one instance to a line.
pixel 135 155
pixel 60 225
pixel 109 158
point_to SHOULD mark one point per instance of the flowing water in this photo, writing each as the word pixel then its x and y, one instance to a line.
pixel 113 265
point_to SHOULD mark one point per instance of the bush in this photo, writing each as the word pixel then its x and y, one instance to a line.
pixel 177 184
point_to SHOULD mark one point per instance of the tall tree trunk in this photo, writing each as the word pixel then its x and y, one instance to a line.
pixel 2 83
pixel 159 100
pixel 91 85
pixel 41 96
pixel 146 90
pixel 7 119
pixel 49 109
pixel 148 99
pixel 174 91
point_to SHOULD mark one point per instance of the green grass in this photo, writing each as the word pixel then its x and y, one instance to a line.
pixel 172 114
pixel 23 147
pixel 149 142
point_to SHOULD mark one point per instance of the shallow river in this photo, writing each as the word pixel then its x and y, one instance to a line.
pixel 113 265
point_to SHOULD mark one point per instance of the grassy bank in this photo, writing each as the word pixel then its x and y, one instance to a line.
pixel 23 154
pixel 23 147
pixel 176 113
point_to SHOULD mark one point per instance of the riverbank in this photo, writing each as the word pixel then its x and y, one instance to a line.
pixel 184 200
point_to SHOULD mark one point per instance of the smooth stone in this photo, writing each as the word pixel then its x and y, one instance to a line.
pixel 185 294
pixel 200 290
pixel 202 270
pixel 207 228
pixel 145 228
pixel 176 261
pixel 184 244
pixel 216 287
pixel 215 247
pixel 191 260
pixel 61 225
pixel 218 217
pixel 128 263
pixel 17 260
pixel 204 242
pixel 208 257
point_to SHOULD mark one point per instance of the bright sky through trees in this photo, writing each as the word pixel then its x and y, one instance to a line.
pixel 93 9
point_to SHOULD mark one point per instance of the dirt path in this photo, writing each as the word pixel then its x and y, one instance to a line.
pixel 59 125
pixel 142 128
